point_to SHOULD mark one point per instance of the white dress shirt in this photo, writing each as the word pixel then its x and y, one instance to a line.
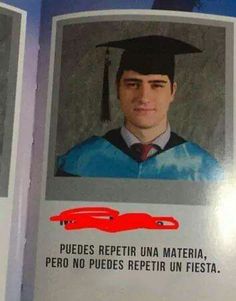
pixel 160 141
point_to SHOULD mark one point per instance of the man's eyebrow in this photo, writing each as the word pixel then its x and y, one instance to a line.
pixel 159 81
pixel 130 79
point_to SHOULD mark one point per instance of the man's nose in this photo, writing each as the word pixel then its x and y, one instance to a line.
pixel 144 93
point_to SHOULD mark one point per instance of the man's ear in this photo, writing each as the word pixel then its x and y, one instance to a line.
pixel 174 89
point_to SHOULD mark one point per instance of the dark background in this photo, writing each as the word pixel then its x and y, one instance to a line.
pixel 5 42
pixel 198 111
pixel 183 5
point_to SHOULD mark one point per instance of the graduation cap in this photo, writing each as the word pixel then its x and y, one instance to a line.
pixel 146 55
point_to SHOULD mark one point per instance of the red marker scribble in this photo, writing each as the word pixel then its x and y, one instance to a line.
pixel 110 220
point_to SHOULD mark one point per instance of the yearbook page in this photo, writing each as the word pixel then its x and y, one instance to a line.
pixel 19 29
pixel 135 147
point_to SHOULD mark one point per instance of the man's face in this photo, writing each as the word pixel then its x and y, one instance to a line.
pixel 145 99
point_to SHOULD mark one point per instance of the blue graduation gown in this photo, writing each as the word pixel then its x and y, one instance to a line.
pixel 97 157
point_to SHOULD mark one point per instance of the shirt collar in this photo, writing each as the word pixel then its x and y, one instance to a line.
pixel 131 139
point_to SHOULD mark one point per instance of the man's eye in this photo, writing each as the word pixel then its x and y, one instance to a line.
pixel 132 85
pixel 155 86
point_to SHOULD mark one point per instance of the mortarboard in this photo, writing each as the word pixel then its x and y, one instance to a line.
pixel 146 55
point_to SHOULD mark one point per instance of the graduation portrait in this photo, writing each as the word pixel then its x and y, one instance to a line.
pixel 139 99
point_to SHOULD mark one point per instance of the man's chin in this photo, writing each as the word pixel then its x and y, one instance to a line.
pixel 144 126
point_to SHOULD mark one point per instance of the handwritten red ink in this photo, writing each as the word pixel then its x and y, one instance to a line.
pixel 110 220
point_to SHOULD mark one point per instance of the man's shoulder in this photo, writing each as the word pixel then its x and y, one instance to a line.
pixel 94 156
pixel 189 148
pixel 67 163
pixel 193 149
pixel 208 165
pixel 194 162
pixel 196 149
pixel 92 144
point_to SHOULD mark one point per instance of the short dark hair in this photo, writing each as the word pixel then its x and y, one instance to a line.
pixel 121 71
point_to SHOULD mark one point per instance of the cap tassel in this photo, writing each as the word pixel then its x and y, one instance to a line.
pixel 105 114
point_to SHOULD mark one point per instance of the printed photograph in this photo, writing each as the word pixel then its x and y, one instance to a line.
pixel 5 45
pixel 141 100
pixel 10 33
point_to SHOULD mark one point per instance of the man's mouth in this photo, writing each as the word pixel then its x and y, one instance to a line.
pixel 144 109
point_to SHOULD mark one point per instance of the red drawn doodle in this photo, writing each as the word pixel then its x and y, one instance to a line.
pixel 110 220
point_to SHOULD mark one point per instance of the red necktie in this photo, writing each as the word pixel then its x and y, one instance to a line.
pixel 141 151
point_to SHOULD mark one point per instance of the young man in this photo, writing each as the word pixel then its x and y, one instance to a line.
pixel 144 147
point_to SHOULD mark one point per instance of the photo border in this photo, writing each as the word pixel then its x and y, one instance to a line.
pixel 66 188
pixel 12 121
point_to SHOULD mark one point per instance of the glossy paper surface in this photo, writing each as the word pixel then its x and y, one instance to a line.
pixel 106 246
